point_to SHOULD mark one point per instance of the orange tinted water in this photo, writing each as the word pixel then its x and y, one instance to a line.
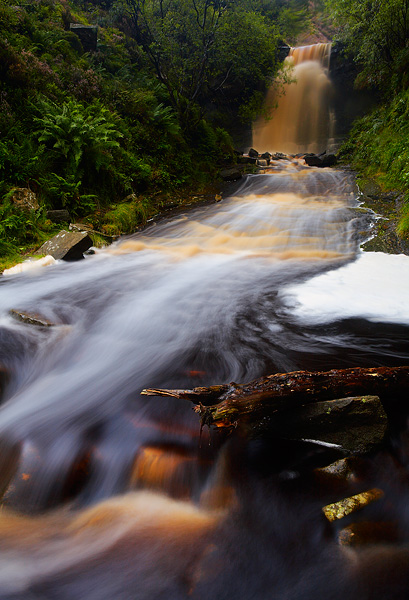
pixel 300 119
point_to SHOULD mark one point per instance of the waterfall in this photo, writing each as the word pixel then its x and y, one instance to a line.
pixel 300 115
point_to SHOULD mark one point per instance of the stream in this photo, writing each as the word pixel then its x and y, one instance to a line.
pixel 110 495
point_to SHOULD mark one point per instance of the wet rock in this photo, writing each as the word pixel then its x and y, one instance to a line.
pixel 312 160
pixel 4 379
pixel 262 162
pixel 24 199
pixel 59 216
pixel 67 245
pixel 253 153
pixel 165 469
pixel 356 425
pixel 279 156
pixel 370 532
pixel 346 506
pixel 323 160
pixel 266 156
pixel 30 318
pixel 329 160
pixel 371 189
pixel 232 174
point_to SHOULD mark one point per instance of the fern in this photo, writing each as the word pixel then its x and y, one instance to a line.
pixel 79 134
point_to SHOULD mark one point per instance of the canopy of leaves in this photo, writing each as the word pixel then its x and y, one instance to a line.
pixel 207 51
pixel 376 32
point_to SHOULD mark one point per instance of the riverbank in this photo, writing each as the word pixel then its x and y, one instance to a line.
pixel 388 206
pixel 105 227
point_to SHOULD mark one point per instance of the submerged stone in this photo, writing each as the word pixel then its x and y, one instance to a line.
pixel 30 318
pixel 356 425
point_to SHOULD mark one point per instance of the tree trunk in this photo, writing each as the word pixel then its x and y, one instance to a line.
pixel 227 405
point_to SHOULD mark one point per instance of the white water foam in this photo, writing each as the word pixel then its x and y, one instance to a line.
pixel 374 287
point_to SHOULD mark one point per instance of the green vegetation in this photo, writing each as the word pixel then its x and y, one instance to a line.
pixel 147 112
pixel 376 35
pixel 378 147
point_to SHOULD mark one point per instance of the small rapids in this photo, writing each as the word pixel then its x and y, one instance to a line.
pixel 112 495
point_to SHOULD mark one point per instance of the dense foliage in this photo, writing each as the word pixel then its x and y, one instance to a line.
pixel 379 148
pixel 376 34
pixel 139 116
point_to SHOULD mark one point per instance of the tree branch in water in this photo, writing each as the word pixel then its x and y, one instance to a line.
pixel 227 405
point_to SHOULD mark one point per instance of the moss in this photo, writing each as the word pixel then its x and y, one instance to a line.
pixel 378 148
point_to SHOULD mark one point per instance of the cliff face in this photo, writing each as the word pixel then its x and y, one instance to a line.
pixel 349 102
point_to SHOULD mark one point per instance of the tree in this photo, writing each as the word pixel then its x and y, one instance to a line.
pixel 198 48
pixel 376 32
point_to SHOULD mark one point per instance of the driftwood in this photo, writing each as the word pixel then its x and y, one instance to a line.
pixel 227 405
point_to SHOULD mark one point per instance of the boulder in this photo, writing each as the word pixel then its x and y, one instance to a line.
pixel 232 174
pixel 59 216
pixel 253 153
pixel 266 155
pixel 356 425
pixel 24 199
pixel 261 162
pixel 312 160
pixel 67 245
pixel 329 160
pixel 323 160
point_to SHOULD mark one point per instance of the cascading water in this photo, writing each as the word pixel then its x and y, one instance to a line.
pixel 301 118
pixel 110 495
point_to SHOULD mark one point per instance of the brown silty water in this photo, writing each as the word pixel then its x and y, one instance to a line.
pixel 300 118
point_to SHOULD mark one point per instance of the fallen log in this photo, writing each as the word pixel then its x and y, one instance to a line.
pixel 227 405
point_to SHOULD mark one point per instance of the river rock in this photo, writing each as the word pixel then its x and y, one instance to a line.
pixel 266 156
pixel 329 160
pixel 356 425
pixel 261 162
pixel 323 160
pixel 312 160
pixel 59 216
pixel 31 318
pixel 24 199
pixel 371 189
pixel 279 156
pixel 232 174
pixel 253 153
pixel 67 245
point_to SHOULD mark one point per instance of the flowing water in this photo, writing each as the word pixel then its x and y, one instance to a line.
pixel 300 116
pixel 112 495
